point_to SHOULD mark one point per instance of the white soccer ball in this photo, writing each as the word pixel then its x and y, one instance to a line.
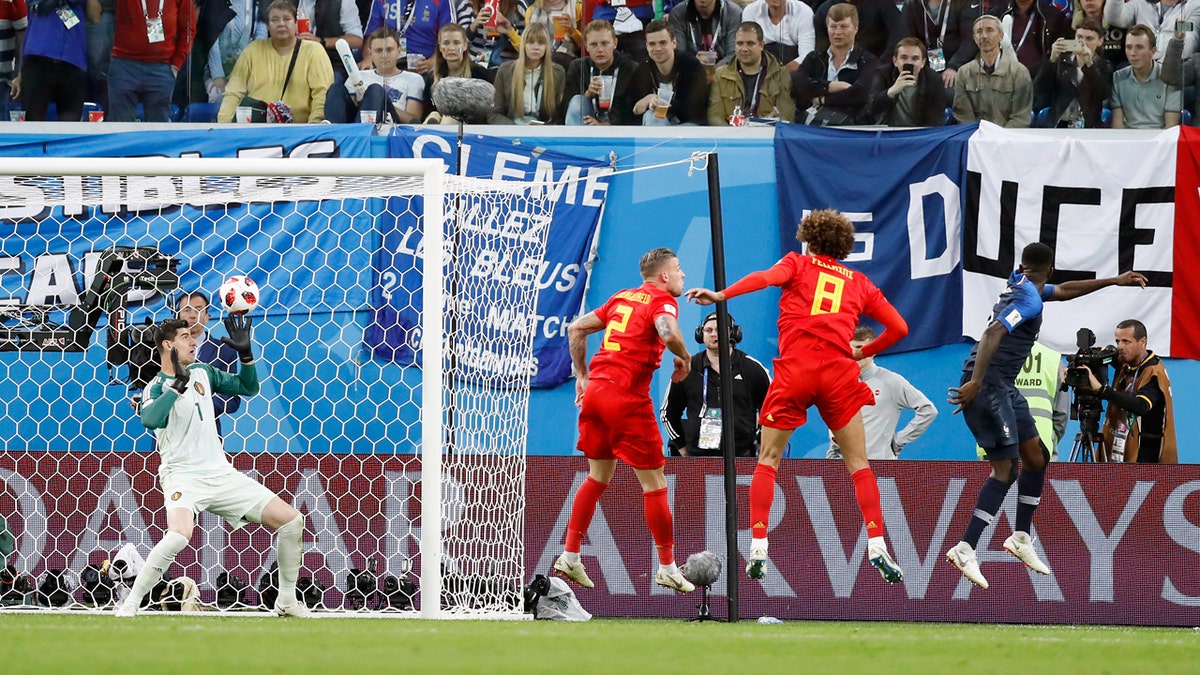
pixel 239 295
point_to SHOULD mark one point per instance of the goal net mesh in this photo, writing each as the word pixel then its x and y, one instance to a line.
pixel 90 262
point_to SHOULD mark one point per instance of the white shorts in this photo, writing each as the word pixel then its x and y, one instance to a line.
pixel 233 496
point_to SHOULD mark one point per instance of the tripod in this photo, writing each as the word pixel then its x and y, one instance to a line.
pixel 1088 441
pixel 702 612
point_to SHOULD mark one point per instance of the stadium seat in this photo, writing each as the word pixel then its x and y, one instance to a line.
pixel 1040 117
pixel 201 113
pixel 1106 118
pixel 1185 117
pixel 949 116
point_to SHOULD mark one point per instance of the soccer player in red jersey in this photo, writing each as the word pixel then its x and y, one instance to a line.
pixel 818 311
pixel 617 418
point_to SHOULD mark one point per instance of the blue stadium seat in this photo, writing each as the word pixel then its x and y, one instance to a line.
pixel 201 113
pixel 1040 117
pixel 949 117
pixel 1185 117
pixel 1106 118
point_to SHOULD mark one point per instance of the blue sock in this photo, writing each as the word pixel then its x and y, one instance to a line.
pixel 991 496
pixel 1029 495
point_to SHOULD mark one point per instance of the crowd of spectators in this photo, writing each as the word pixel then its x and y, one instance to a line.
pixel 1051 63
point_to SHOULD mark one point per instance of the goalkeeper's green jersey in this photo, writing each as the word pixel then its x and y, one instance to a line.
pixel 185 424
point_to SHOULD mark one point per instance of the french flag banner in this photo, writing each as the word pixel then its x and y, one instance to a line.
pixel 1106 204
pixel 1185 304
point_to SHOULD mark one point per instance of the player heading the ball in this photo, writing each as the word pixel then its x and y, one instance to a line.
pixel 820 307
pixel 194 473
pixel 617 418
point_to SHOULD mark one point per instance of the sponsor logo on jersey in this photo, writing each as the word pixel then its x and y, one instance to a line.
pixel 200 388
pixel 175 496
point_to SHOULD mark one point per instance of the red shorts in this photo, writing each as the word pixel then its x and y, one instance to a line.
pixel 617 424
pixel 827 379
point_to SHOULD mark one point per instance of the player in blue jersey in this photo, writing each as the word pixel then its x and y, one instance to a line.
pixel 997 414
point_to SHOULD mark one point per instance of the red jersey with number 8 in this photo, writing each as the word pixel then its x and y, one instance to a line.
pixel 630 348
pixel 821 303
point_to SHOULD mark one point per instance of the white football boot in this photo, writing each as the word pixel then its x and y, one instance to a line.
pixel 962 556
pixel 1021 546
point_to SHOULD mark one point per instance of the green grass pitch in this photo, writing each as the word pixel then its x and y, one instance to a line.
pixel 45 643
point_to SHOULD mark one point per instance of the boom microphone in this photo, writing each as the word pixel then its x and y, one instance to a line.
pixel 464 98
pixel 343 50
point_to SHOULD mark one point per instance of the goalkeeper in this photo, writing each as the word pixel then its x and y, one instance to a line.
pixel 194 473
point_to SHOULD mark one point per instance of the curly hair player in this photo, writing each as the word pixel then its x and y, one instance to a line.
pixel 819 309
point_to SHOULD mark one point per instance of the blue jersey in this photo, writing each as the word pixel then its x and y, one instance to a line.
pixel 1019 310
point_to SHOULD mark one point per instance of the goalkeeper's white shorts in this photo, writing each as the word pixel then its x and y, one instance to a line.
pixel 233 496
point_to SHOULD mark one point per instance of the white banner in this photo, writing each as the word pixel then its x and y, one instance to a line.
pixel 1106 205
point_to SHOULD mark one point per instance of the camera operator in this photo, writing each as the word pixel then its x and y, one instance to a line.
pixel 700 394
pixel 1140 421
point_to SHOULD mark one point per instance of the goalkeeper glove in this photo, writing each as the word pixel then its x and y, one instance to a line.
pixel 238 327
pixel 180 383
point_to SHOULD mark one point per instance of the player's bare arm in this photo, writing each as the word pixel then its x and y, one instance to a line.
pixel 668 330
pixel 963 395
pixel 1073 289
pixel 577 334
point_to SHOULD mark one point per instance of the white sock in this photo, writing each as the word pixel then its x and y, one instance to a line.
pixel 160 558
pixel 572 558
pixel 876 542
pixel 290 556
pixel 671 569
pixel 759 543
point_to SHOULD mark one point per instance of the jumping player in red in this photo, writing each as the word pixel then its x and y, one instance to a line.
pixel 617 418
pixel 818 311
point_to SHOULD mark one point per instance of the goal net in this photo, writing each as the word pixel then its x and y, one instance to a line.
pixel 395 359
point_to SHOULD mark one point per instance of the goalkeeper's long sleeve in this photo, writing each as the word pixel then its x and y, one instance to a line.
pixel 156 404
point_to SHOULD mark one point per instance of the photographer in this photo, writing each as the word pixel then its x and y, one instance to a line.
pixel 700 395
pixel 1140 424
pixel 1074 83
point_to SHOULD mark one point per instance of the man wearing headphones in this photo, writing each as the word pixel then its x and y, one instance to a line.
pixel 700 394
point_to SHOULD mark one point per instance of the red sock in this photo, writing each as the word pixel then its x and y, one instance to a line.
pixel 762 493
pixel 866 491
pixel 582 510
pixel 658 517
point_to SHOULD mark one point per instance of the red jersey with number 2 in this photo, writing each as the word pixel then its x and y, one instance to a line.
pixel 630 349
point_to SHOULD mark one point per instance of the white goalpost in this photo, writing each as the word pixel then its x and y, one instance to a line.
pixel 395 347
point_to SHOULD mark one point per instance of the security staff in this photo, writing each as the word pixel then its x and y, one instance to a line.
pixel 700 395
pixel 1139 425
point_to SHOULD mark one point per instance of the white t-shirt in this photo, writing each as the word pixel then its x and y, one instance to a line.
pixel 401 87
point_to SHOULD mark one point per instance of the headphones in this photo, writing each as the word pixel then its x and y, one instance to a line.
pixel 735 331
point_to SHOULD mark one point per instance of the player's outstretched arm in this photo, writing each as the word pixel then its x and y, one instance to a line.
pixel 577 334
pixel 1073 289
pixel 755 281
pixel 963 395
pixel 672 337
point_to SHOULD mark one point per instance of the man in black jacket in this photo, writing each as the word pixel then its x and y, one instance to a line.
pixel 700 395
pixel 587 78
pixel 842 99
pixel 679 72
pixel 907 93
